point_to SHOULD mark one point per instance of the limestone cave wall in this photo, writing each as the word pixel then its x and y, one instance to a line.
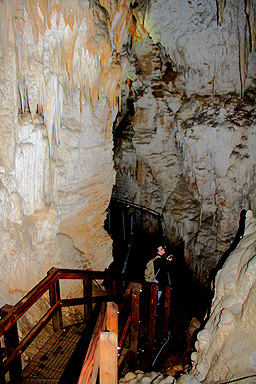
pixel 186 136
pixel 62 64
pixel 179 87
pixel 226 347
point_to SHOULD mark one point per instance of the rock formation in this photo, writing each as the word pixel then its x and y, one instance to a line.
pixel 185 145
pixel 62 64
pixel 226 347
pixel 179 84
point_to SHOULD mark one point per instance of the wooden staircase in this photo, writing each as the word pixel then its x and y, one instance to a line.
pixel 99 348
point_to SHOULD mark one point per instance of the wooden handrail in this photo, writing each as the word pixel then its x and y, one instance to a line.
pixel 49 283
pixel 95 359
pixel 129 317
pixel 30 337
pixel 43 286
pixel 27 301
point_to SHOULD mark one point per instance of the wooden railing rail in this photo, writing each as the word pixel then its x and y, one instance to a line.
pixel 105 328
pixel 11 314
pixel 54 275
pixel 26 302
pixel 101 356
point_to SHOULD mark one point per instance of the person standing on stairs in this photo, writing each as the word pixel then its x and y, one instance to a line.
pixel 161 268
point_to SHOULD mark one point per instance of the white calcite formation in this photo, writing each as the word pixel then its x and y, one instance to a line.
pixel 212 48
pixel 226 347
pixel 140 377
pixel 61 69
pixel 189 154
pixel 186 148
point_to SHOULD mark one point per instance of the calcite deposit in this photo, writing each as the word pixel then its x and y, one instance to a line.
pixel 140 377
pixel 172 84
pixel 62 65
pixel 226 347
pixel 193 161
pixel 209 45
pixel 188 154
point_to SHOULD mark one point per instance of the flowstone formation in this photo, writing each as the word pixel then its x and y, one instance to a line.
pixel 226 347
pixel 62 64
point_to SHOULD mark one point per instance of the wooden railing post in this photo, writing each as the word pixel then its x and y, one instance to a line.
pixel 152 319
pixel 11 340
pixel 108 358
pixel 167 304
pixel 54 292
pixel 135 317
pixel 112 317
pixel 87 283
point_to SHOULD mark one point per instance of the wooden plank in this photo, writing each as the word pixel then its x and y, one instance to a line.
pixel 89 370
pixel 87 285
pixel 125 297
pixel 11 340
pixel 124 332
pixel 53 276
pixel 112 317
pixel 167 305
pixel 135 317
pixel 54 292
pixel 152 319
pixel 123 356
pixel 108 358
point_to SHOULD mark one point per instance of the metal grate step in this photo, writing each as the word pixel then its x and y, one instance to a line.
pixel 49 363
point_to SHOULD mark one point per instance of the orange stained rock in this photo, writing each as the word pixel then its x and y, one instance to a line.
pixel 69 19
pixel 68 51
pixel 60 73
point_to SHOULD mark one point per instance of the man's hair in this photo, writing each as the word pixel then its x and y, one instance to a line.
pixel 155 249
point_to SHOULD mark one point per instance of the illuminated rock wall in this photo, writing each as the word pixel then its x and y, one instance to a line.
pixel 61 68
pixel 186 147
pixel 226 347
pixel 211 46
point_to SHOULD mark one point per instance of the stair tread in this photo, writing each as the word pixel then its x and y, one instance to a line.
pixel 50 362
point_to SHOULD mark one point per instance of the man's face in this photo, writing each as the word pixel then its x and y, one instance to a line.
pixel 160 250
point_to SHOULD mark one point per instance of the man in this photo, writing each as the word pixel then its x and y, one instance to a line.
pixel 161 262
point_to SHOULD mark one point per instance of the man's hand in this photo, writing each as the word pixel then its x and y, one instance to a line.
pixel 169 258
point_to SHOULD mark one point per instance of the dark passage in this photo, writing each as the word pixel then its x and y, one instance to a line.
pixel 135 234
pixel 136 231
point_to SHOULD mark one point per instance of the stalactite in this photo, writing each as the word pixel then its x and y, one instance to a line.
pixel 71 46
pixel 251 12
pixel 221 6
pixel 250 9
pixel 243 57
